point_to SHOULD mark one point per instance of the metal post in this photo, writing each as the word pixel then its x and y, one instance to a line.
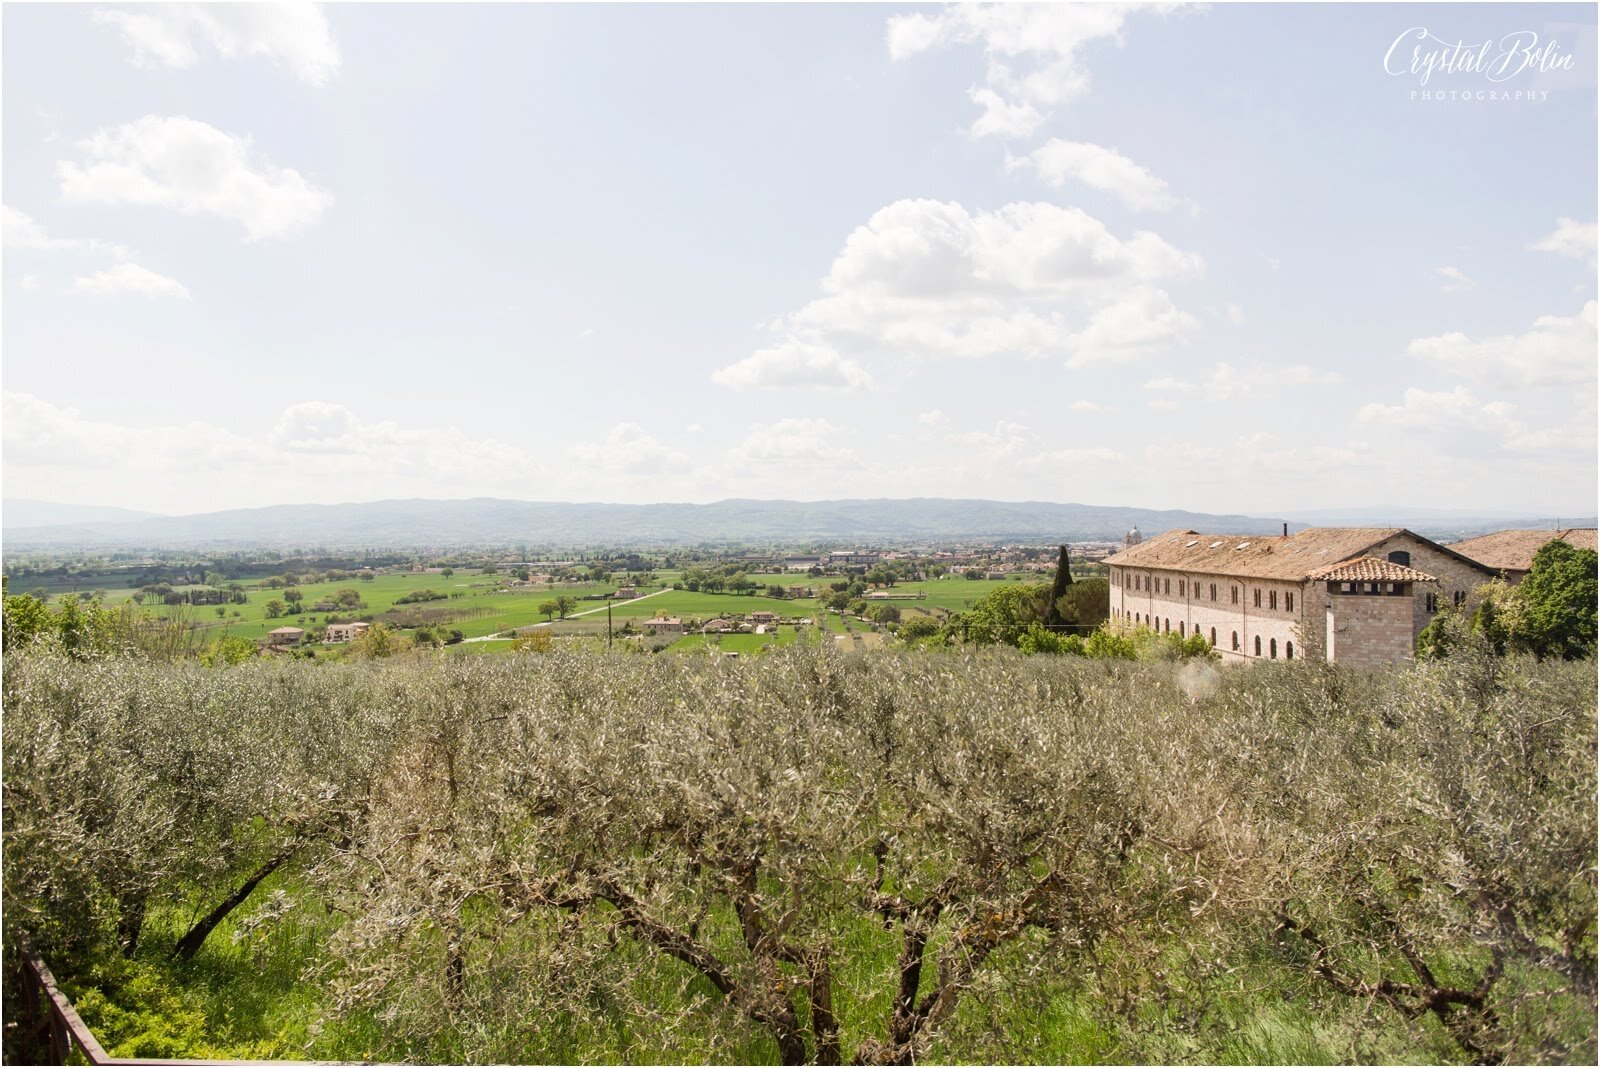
pixel 608 626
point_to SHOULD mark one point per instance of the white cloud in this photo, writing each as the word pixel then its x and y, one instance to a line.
pixel 1144 320
pixel 1002 118
pixel 130 278
pixel 1557 351
pixel 1085 406
pixel 794 364
pixel 295 35
pixel 1441 411
pixel 926 278
pixel 694 428
pixel 1034 53
pixel 317 451
pixel 1571 238
pixel 1013 446
pixel 1008 440
pixel 1452 279
pixel 1058 162
pixel 20 231
pixel 1225 381
pixel 794 441
pixel 1236 315
pixel 181 163
pixel 630 450
pixel 935 417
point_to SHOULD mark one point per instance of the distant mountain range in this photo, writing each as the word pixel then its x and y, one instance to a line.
pixel 24 512
pixel 484 522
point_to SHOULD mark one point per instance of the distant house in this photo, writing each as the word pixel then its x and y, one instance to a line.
pixel 797 592
pixel 664 625
pixel 716 626
pixel 339 633
pixel 286 636
pixel 325 606
pixel 1510 552
pixel 627 592
pixel 763 617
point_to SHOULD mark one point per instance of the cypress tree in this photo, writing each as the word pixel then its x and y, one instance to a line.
pixel 1052 616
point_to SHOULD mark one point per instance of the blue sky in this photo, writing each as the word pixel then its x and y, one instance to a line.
pixel 1210 257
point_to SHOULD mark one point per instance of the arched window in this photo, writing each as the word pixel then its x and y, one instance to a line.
pixel 1401 557
pixel 1236 641
pixel 1273 646
pixel 1258 645
pixel 1168 627
pixel 1288 650
pixel 1213 637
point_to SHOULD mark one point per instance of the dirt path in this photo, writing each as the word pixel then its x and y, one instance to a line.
pixel 505 636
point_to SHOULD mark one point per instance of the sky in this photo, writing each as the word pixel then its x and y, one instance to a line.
pixel 1226 258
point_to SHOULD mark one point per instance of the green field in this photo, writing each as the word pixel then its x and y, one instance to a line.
pixel 688 605
pixel 474 605
pixel 480 605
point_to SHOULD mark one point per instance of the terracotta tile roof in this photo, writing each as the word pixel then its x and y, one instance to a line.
pixel 1370 569
pixel 1512 550
pixel 1252 555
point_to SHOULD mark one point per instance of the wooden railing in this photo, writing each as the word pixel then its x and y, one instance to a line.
pixel 51 1029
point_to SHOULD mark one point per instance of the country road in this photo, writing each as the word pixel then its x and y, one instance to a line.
pixel 502 636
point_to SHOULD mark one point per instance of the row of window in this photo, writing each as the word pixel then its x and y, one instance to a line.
pixel 1457 598
pixel 1162 585
pixel 1164 625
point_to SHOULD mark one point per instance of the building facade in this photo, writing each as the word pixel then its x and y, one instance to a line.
pixel 1254 597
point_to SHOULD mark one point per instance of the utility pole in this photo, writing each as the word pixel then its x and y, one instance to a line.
pixel 608 626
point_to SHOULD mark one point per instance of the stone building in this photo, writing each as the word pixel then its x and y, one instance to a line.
pixel 1510 552
pixel 1349 594
pixel 285 636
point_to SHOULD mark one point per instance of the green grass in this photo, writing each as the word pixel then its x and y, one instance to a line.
pixel 479 610
pixel 684 604
pixel 478 607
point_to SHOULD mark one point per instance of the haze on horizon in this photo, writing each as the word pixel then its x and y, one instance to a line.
pixel 1136 254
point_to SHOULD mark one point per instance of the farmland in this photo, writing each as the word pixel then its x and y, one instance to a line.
pixel 482 606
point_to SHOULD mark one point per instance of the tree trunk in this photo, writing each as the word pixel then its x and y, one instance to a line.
pixel 190 943
pixel 130 925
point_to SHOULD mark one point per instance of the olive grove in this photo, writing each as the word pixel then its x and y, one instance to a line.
pixel 814 857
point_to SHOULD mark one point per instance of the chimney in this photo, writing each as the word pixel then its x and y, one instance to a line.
pixel 1286 530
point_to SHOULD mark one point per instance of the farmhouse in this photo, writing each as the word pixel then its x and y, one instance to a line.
pixel 1357 595
pixel 339 633
pixel 763 617
pixel 627 593
pixel 664 625
pixel 716 626
pixel 1510 552
pixel 285 636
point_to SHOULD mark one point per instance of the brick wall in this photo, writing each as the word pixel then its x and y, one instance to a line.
pixel 1370 630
